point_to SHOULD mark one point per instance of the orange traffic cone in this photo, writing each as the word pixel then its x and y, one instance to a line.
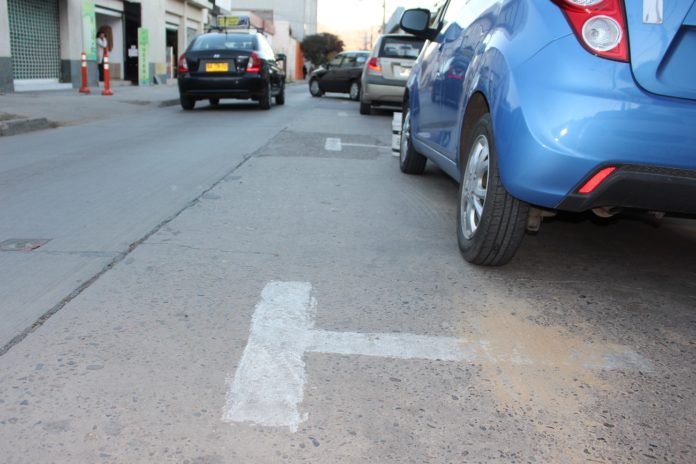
pixel 107 79
pixel 84 88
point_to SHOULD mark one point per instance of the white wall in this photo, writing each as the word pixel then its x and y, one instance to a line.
pixel 111 4
pixel 284 43
pixel 5 49
pixel 154 14
pixel 300 13
pixel 153 20
pixel 189 18
pixel 71 41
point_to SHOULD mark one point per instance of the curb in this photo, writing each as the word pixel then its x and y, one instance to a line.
pixel 21 126
pixel 166 103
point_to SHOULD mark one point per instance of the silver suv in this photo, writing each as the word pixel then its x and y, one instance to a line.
pixel 386 71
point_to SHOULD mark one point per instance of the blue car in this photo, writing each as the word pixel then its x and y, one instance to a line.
pixel 538 106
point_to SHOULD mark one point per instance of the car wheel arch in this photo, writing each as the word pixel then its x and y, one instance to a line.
pixel 475 108
pixel 478 105
pixel 407 97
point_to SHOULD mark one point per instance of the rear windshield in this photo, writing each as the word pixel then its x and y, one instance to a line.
pixel 400 47
pixel 224 42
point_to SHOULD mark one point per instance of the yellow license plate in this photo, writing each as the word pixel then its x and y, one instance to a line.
pixel 216 67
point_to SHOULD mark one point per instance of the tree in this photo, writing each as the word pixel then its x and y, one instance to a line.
pixel 321 48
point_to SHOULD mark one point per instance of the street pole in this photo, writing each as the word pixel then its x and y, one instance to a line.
pixel 384 16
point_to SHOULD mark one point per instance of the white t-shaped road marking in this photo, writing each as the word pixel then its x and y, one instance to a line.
pixel 268 385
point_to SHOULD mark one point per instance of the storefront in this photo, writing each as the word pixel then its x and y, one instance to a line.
pixel 41 41
pixel 34 27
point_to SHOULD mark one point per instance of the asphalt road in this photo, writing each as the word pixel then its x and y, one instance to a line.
pixel 225 289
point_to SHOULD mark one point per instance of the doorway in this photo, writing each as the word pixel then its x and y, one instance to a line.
pixel 132 16
pixel 172 39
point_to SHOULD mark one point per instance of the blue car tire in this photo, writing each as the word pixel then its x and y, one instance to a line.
pixel 410 161
pixel 490 222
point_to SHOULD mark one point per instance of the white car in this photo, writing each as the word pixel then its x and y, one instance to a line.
pixel 386 70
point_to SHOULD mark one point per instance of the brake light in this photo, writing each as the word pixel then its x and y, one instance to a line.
pixel 254 65
pixel 183 65
pixel 599 25
pixel 374 65
pixel 597 179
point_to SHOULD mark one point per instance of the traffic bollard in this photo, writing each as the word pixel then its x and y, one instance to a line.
pixel 396 134
pixel 107 79
pixel 84 88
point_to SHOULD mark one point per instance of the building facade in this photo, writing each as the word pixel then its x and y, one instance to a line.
pixel 292 20
pixel 41 41
pixel 300 14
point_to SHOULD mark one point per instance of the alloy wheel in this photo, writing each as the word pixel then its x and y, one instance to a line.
pixel 475 186
pixel 354 91
pixel 405 137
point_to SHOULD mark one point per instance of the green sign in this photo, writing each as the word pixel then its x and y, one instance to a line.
pixel 89 29
pixel 143 56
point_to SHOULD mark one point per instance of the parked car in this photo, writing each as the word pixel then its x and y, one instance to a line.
pixel 341 75
pixel 387 69
pixel 537 106
pixel 230 64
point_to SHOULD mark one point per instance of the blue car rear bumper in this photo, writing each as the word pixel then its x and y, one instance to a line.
pixel 564 114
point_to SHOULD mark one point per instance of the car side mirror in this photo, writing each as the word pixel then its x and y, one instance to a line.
pixel 416 21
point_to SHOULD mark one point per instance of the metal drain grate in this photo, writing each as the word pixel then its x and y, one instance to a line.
pixel 23 244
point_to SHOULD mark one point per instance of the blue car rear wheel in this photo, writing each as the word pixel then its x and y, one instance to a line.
pixel 490 222
pixel 410 161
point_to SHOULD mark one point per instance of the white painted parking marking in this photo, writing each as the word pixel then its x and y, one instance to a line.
pixel 363 145
pixel 268 385
pixel 403 346
pixel 336 144
pixel 333 144
pixel 269 382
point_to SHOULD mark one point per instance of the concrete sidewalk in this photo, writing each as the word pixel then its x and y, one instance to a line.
pixel 27 111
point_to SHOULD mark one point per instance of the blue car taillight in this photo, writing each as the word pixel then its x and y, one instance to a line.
pixel 599 25
pixel 589 186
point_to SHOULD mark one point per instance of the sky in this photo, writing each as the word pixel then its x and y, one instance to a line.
pixel 357 22
pixel 355 15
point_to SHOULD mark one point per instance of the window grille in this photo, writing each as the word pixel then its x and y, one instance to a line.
pixel 34 38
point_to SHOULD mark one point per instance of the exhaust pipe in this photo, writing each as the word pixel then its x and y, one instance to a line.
pixel 606 211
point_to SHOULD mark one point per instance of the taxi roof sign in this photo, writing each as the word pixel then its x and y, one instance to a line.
pixel 234 21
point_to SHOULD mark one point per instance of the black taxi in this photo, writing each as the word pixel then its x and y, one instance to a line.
pixel 230 64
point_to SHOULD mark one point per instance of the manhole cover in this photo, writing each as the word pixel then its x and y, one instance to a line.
pixel 23 244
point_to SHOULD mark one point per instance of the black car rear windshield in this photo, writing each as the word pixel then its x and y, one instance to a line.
pixel 400 47
pixel 224 42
